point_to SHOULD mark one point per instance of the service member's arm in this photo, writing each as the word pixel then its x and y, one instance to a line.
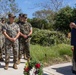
pixel 7 36
pixel 25 36
pixel 30 33
pixel 18 34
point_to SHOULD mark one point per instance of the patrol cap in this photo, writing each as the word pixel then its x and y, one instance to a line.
pixel 24 15
pixel 20 14
pixel 11 15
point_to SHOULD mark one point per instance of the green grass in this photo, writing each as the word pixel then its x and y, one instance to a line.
pixel 51 55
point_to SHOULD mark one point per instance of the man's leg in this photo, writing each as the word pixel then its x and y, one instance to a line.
pixel 7 56
pixel 20 52
pixel 1 58
pixel 15 54
pixel 74 61
pixel 27 50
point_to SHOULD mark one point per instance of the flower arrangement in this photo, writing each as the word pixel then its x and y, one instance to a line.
pixel 35 65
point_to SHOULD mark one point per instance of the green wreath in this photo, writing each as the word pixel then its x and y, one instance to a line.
pixel 33 64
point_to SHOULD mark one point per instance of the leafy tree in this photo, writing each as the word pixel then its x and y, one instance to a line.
pixel 54 5
pixel 39 23
pixel 63 19
pixel 47 15
pixel 42 14
pixel 8 6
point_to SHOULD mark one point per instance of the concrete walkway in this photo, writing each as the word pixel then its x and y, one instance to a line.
pixel 59 69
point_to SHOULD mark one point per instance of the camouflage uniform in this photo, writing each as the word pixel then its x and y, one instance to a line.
pixel 20 51
pixel 24 43
pixel 2 40
pixel 12 30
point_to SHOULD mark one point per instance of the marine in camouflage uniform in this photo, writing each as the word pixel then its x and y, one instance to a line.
pixel 12 31
pixel 19 23
pixel 3 21
pixel 2 39
pixel 26 31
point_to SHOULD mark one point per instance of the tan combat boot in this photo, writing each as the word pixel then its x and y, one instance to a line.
pixel 25 57
pixel 28 59
pixel 15 66
pixel 6 66
pixel 18 62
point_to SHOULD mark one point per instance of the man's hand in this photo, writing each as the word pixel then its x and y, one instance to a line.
pixel 25 36
pixel 72 25
pixel 14 39
pixel 11 39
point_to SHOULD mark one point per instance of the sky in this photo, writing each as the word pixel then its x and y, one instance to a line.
pixel 30 6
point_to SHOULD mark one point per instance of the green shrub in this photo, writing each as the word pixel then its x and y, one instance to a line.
pixel 47 38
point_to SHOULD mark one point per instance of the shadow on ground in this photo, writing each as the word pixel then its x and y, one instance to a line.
pixel 64 70
pixel 45 74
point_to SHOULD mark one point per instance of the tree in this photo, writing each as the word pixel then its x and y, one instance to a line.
pixel 50 8
pixel 63 19
pixel 42 14
pixel 8 6
pixel 47 15
pixel 54 5
pixel 39 23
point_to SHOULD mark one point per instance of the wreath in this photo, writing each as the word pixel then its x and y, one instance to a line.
pixel 35 66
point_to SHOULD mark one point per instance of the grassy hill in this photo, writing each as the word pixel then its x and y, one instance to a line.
pixel 51 55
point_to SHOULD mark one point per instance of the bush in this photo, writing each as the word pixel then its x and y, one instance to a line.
pixel 47 38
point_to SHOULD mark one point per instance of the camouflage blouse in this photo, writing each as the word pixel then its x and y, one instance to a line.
pixel 11 29
pixel 25 28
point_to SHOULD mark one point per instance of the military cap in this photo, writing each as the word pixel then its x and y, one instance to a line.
pixel 24 15
pixel 11 15
pixel 20 14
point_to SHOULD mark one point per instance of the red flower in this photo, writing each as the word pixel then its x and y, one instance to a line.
pixel 37 65
pixel 26 69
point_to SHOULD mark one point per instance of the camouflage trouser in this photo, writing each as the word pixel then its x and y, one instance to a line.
pixel 24 48
pixel 0 53
pixel 2 41
pixel 14 47
pixel 74 61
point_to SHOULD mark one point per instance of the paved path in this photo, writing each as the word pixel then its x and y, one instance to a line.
pixel 59 69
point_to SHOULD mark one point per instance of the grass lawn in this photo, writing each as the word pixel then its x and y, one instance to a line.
pixel 51 55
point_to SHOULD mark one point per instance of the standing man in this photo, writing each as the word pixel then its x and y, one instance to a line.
pixel 11 31
pixel 1 39
pixel 26 32
pixel 20 51
pixel 3 21
pixel 20 18
pixel 73 43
